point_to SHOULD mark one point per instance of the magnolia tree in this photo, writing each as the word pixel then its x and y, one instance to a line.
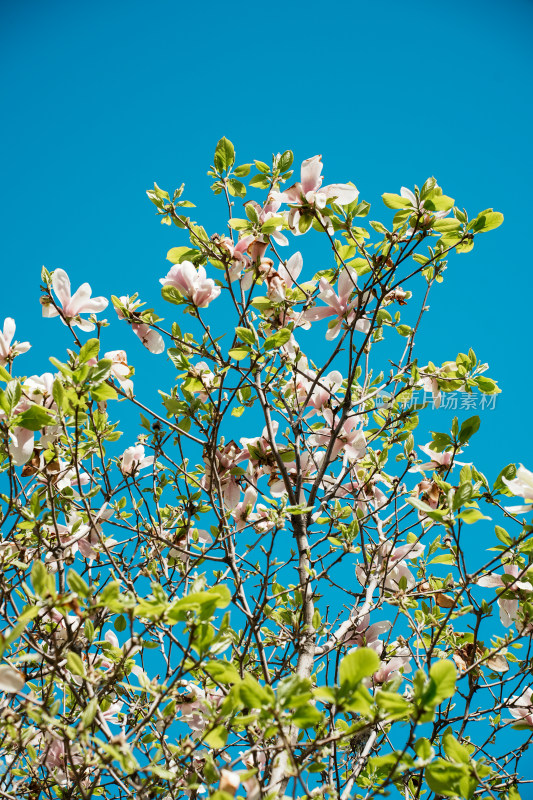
pixel 307 610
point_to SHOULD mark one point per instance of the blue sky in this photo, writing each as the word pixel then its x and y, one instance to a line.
pixel 101 99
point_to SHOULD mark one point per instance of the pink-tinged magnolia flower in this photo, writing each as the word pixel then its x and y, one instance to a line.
pixel 151 339
pixel 508 606
pixel 226 458
pixel 60 762
pixel 37 390
pixel 521 707
pixel 309 190
pixel 338 305
pixel 62 625
pixel 8 351
pixel 208 379
pixel 80 302
pixel 316 392
pixel 21 444
pixel 195 706
pixel 429 492
pixel 262 461
pixel 268 211
pixel 399 659
pixel 438 460
pixel 521 486
pixel 133 460
pixel 63 475
pixel 192 283
pixel 238 254
pixel 392 566
pixel 11 679
pixel 110 714
pixel 180 547
pixel 229 781
pixel 351 437
pixel 365 635
pixel 77 536
pixel 278 281
pixel 395 564
pixel 430 386
pixel 243 511
pixel 120 370
pixel 363 493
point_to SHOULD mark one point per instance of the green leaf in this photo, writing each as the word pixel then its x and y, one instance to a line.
pixel 439 202
pixel 222 671
pixel 447 558
pixel 454 750
pixel 508 472
pixel 245 335
pixel 433 513
pixel 261 166
pixel 446 225
pixel 471 515
pixel 236 188
pixel 443 674
pixel 306 716
pixel 172 295
pixel 161 193
pixel 34 419
pixel 89 350
pixel 239 224
pixel 178 254
pixel 203 603
pixel 403 330
pixel 39 579
pixel 444 778
pixel 104 392
pixel 217 737
pixel 395 201
pixel 238 353
pixel 359 664
pixel 462 495
pixel 285 161
pixel 502 535
pixel 260 181
pixel 469 428
pixel 58 393
pixel 77 584
pixel 277 339
pixel 305 222
pixel 394 704
pixel 89 712
pixel 423 749
pixel 101 372
pixel 120 623
pixel 224 155
pixel 75 664
pixel 242 171
pixel 487 221
pixel 487 385
pixel 271 224
pixel 252 694
pixel 110 597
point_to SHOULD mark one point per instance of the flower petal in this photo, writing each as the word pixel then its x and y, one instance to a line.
pixel 11 679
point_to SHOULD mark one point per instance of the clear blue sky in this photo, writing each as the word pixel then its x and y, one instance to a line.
pixel 101 98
